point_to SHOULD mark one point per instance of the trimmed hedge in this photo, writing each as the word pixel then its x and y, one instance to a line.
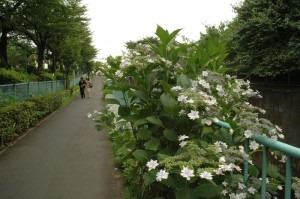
pixel 18 117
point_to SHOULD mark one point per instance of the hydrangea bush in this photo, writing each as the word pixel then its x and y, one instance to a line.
pixel 162 124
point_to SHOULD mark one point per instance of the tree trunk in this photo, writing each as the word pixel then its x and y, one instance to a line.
pixel 3 49
pixel 41 50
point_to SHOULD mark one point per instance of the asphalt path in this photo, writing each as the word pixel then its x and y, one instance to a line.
pixel 64 157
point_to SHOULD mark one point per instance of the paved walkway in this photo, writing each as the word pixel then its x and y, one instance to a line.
pixel 65 157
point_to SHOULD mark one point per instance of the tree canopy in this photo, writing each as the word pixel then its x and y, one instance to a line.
pixel 51 27
pixel 265 38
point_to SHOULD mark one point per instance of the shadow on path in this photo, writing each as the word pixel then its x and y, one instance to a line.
pixel 64 157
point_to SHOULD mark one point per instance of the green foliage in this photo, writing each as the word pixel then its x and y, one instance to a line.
pixel 11 76
pixel 265 38
pixel 35 32
pixel 16 118
pixel 162 101
pixel 44 76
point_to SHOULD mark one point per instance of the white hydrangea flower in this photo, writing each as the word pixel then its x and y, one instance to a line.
pixel 206 122
pixel 89 115
pixel 183 143
pixel 206 175
pixel 219 145
pixel 203 83
pixel 119 73
pixel 187 173
pixel 281 136
pixel 204 73
pixel 248 134
pixel 190 101
pixel 176 88
pixel 224 192
pixel 182 98
pixel 278 129
pixel 279 187
pixel 251 190
pixel 152 164
pixel 182 137
pixel 241 185
pixel 193 115
pixel 222 159
pixel 182 112
pixel 254 145
pixel 297 194
pixel 283 159
pixel 162 174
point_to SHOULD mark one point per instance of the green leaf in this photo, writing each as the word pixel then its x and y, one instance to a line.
pixel 140 155
pixel 156 49
pixel 272 171
pixel 272 188
pixel 150 78
pixel 183 81
pixel 171 135
pixel 124 111
pixel 185 193
pixel 143 134
pixel 111 101
pixel 253 171
pixel 169 181
pixel 173 35
pixel 150 177
pixel 140 94
pixel 169 103
pixel 154 120
pixel 208 190
pixel 152 144
pixel 161 156
pixel 162 34
pixel 141 122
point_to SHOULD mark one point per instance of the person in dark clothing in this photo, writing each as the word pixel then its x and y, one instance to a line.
pixel 82 87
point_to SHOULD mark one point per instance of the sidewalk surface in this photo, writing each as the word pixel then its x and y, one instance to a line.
pixel 65 157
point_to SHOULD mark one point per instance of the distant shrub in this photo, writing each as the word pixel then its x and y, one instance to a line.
pixel 45 76
pixel 11 76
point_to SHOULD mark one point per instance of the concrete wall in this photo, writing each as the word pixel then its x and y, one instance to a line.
pixel 282 104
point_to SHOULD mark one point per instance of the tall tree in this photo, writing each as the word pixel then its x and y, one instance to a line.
pixel 46 19
pixel 8 23
pixel 266 37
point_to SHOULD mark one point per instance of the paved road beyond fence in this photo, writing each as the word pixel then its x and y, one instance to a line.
pixel 65 157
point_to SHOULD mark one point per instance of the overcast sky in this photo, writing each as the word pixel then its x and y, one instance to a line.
pixel 114 22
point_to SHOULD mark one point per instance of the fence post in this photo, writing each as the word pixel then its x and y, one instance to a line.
pixel 73 78
pixel 15 92
pixel 264 173
pixel 246 164
pixel 28 89
pixel 288 177
pixel 38 88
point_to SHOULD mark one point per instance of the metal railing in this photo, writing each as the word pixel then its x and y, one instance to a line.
pixel 290 151
pixel 10 93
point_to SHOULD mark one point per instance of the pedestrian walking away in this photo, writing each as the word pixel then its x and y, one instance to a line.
pixel 82 85
pixel 88 86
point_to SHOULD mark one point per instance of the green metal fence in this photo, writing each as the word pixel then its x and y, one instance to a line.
pixel 290 151
pixel 18 92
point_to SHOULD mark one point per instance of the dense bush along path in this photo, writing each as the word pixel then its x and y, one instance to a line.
pixel 64 157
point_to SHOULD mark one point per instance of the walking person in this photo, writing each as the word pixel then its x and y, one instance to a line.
pixel 82 85
pixel 88 87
